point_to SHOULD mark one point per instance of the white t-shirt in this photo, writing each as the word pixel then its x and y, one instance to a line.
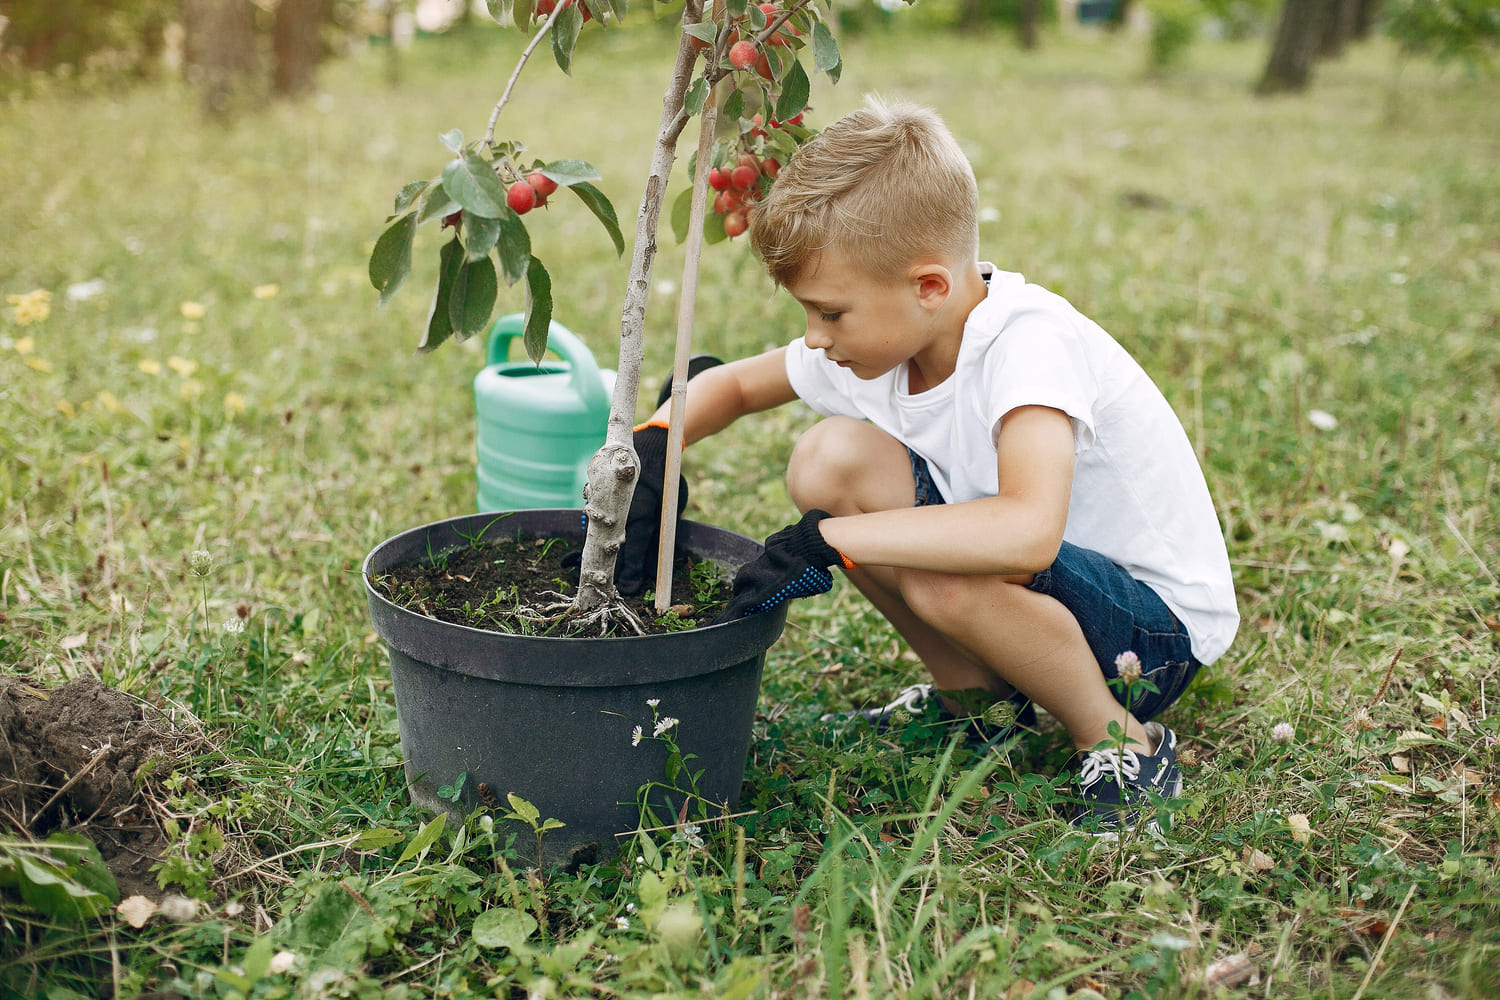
pixel 1138 497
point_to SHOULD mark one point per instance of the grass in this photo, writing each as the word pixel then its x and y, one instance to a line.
pixel 1274 264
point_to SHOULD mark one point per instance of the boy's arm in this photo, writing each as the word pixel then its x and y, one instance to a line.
pixel 1016 533
pixel 720 395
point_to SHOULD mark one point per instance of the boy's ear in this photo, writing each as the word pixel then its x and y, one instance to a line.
pixel 933 284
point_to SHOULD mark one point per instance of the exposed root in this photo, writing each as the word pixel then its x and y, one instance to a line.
pixel 606 616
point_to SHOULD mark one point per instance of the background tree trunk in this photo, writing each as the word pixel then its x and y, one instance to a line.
pixel 1120 16
pixel 297 44
pixel 1026 18
pixel 1364 21
pixel 1339 28
pixel 1298 37
pixel 218 49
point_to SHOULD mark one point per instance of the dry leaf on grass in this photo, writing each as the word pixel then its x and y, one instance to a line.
pixel 136 910
pixel 1228 972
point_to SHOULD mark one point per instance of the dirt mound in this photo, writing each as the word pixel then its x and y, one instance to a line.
pixel 70 757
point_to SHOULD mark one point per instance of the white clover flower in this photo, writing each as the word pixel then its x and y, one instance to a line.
pixel 635 737
pixel 653 702
pixel 1322 420
pixel 1128 667
pixel 200 562
pixel 622 923
pixel 664 725
pixel 233 625
pixel 1283 732
pixel 282 961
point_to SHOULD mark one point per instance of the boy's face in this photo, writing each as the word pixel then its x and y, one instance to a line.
pixel 866 324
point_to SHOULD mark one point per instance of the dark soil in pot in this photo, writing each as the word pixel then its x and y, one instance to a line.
pixel 499 584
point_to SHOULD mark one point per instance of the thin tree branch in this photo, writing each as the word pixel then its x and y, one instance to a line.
pixel 515 74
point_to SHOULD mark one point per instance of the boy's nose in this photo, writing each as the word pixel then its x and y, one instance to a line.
pixel 817 339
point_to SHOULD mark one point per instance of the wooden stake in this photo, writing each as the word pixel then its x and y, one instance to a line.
pixel 678 408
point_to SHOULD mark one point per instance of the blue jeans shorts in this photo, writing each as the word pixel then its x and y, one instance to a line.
pixel 1116 611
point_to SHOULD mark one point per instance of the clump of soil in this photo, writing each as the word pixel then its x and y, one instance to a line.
pixel 75 757
pixel 500 586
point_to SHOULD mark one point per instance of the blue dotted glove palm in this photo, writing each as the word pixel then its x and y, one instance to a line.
pixel 796 563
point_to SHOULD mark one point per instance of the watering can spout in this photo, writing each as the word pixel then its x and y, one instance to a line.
pixel 538 425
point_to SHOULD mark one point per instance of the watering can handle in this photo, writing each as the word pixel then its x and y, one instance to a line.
pixel 585 378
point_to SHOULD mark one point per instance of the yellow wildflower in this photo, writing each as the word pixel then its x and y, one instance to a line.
pixel 266 291
pixel 150 366
pixel 192 310
pixel 109 402
pixel 39 364
pixel 191 389
pixel 66 408
pixel 32 307
pixel 182 366
pixel 234 405
pixel 25 345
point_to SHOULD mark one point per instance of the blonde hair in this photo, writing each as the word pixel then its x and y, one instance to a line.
pixel 885 185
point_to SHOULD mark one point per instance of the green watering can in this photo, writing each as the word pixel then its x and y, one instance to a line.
pixel 538 424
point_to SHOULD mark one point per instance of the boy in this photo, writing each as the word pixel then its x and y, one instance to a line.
pixel 995 473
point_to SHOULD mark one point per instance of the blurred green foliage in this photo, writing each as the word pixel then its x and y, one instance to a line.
pixel 1467 31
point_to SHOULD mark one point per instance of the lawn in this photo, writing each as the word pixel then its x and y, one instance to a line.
pixel 1314 282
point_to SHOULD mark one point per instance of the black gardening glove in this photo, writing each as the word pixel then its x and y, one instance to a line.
pixel 795 564
pixel 636 566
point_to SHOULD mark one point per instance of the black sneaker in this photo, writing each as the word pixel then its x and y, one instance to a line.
pixel 1120 786
pixel 987 725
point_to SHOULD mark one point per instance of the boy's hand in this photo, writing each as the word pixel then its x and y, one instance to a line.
pixel 636 565
pixel 795 564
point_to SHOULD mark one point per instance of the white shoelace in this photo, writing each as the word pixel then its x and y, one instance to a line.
pixel 1125 765
pixel 909 698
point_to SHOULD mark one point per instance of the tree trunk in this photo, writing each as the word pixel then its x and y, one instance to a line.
pixel 1298 36
pixel 1026 18
pixel 1364 21
pixel 297 45
pixel 1340 28
pixel 219 48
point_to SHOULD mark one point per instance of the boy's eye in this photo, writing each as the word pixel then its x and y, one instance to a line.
pixel 829 317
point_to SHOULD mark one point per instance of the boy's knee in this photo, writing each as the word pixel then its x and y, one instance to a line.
pixel 822 463
pixel 948 601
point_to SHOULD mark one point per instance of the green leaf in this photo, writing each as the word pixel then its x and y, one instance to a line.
pixel 425 838
pixel 570 172
pixel 470 180
pixel 713 228
pixel 437 204
pixel 826 56
pixel 599 8
pixel 619 8
pixel 538 319
pixel 603 211
pixel 86 864
pixel 682 214
pixel 736 7
pixel 408 194
pixel 439 326
pixel 523 810
pixel 390 262
pixel 51 890
pixel 704 31
pixel 479 236
pixel 734 106
pixel 469 307
pixel 500 10
pixel 257 960
pixel 376 838
pixel 454 140
pixel 565 37
pixel 514 247
pixel 696 97
pixel 503 927
pixel 795 90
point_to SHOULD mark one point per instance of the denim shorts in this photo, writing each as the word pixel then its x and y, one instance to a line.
pixel 1116 611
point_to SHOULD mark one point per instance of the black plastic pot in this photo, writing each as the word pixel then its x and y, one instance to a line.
pixel 551 720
